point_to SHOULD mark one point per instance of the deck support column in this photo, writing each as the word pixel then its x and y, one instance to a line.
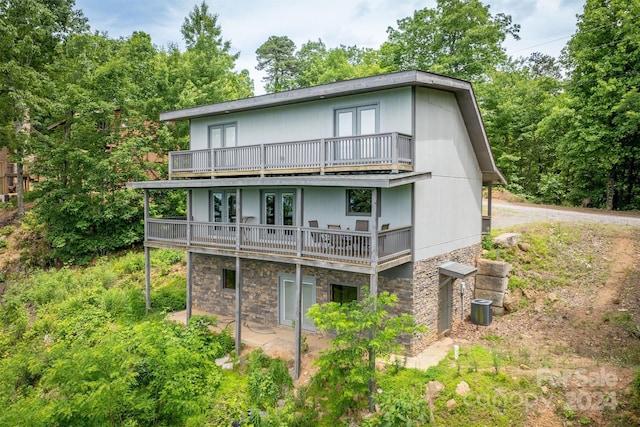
pixel 373 279
pixel 238 272
pixel 147 256
pixel 373 288
pixel 238 305
pixel 189 263
pixel 147 278
pixel 298 325
pixel 298 315
pixel 189 286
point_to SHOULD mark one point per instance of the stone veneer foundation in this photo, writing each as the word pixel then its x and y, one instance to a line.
pixel 417 296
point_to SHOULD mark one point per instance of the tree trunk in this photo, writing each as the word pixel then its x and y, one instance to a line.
pixel 610 191
pixel 19 186
pixel 23 130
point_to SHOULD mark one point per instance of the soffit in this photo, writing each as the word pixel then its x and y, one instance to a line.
pixel 360 181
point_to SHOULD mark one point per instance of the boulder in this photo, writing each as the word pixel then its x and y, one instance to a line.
pixel 506 240
pixel 451 403
pixel 462 388
pixel 433 389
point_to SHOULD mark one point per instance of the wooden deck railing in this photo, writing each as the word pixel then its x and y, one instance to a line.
pixel 292 241
pixel 389 151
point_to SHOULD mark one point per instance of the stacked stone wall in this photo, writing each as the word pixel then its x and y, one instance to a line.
pixel 491 282
pixel 417 296
pixel 426 287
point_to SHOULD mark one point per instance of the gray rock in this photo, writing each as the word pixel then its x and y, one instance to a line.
pixel 506 240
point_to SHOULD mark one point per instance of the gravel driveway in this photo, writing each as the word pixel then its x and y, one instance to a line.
pixel 509 214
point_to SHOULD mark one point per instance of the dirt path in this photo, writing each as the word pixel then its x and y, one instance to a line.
pixel 575 341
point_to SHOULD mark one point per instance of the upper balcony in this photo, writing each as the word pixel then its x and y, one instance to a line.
pixel 380 152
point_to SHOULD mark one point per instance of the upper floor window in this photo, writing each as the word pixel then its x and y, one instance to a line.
pixel 356 121
pixel 224 135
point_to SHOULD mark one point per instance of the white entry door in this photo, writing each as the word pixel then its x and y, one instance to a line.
pixel 287 292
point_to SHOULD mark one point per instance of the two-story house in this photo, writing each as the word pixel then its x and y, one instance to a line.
pixel 311 195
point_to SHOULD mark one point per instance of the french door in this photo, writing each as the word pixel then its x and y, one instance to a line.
pixel 224 136
pixel 287 299
pixel 278 207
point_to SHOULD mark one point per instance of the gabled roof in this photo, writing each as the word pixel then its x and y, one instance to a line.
pixel 460 88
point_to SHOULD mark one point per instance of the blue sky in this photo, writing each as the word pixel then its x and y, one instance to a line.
pixel 546 25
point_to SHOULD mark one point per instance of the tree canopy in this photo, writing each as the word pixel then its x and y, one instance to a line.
pixel 600 152
pixel 458 38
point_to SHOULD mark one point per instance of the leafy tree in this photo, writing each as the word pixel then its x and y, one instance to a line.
pixel 458 38
pixel 364 331
pixel 314 64
pixel 30 31
pixel 101 138
pixel 204 73
pixel 276 57
pixel 514 101
pixel 601 149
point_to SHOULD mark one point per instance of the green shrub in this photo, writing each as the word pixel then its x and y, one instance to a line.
pixel 170 297
pixel 267 379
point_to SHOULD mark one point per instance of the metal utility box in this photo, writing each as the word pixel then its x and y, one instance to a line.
pixel 481 312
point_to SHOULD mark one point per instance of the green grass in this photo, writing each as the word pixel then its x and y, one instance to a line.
pixel 556 254
pixel 494 398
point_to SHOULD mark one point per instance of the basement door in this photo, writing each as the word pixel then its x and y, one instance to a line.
pixel 287 299
pixel 445 304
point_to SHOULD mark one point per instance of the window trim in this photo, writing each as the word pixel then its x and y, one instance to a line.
pixel 348 211
pixel 223 278
pixel 223 127
pixel 350 285
pixel 225 205
pixel 356 124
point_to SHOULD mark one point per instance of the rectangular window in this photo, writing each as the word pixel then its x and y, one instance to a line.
pixel 343 293
pixel 228 278
pixel 356 121
pixel 224 135
pixel 359 201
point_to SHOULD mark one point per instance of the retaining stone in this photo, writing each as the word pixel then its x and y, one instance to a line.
pixel 497 298
pixel 489 267
pixel 495 284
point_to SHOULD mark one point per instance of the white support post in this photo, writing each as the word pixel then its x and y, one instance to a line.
pixel 238 305
pixel 147 278
pixel 373 280
pixel 298 321
pixel 189 215
pixel 147 255
pixel 238 272
pixel 189 285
